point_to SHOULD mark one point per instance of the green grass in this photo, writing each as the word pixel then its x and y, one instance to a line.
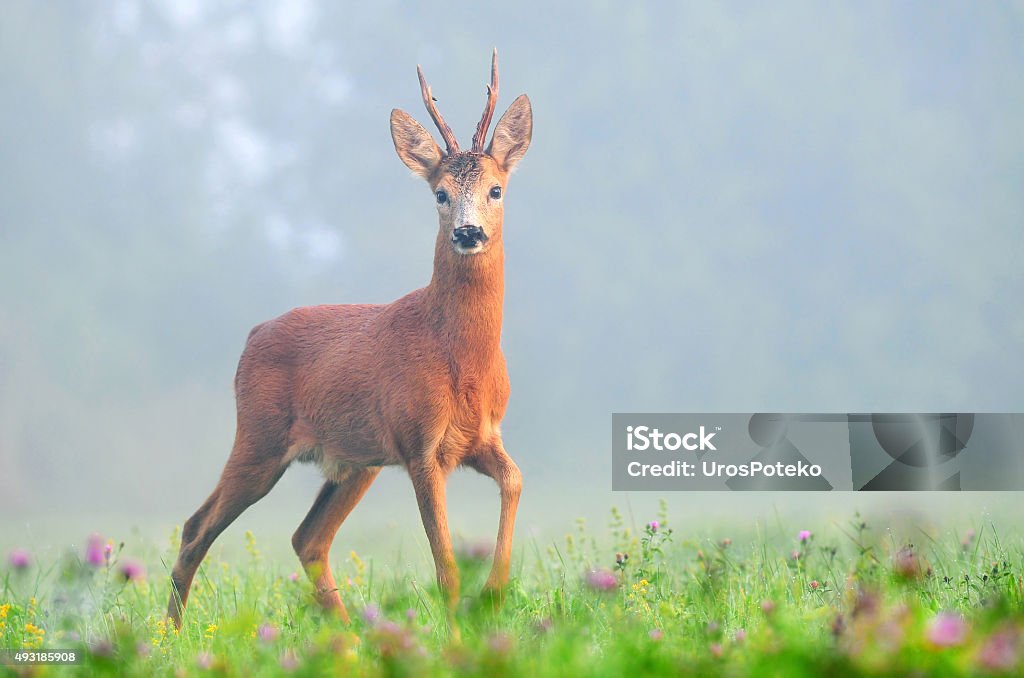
pixel 852 599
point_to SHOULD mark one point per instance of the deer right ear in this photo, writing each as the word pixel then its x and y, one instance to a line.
pixel 415 146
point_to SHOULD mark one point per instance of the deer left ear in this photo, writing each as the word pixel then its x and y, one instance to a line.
pixel 512 134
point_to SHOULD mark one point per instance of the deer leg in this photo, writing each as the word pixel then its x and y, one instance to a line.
pixel 495 463
pixel 429 482
pixel 247 477
pixel 312 540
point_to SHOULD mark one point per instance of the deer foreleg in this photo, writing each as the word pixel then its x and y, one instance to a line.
pixel 429 482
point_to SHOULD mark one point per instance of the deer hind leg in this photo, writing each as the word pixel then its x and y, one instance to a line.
pixel 250 473
pixel 428 480
pixel 312 540
pixel 495 463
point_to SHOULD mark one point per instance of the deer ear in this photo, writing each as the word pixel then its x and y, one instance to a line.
pixel 512 134
pixel 415 146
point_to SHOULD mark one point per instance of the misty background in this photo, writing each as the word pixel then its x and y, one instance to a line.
pixel 726 207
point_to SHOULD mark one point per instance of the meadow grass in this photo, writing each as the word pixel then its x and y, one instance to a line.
pixel 847 599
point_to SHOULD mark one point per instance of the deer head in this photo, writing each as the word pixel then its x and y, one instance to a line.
pixel 468 186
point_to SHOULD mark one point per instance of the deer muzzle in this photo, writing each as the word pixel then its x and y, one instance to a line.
pixel 469 239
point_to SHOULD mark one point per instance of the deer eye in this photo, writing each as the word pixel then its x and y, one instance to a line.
pixel 496 192
pixel 442 197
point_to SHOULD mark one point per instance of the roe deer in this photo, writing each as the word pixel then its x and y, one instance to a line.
pixel 420 382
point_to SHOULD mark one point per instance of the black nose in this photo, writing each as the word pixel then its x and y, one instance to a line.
pixel 469 236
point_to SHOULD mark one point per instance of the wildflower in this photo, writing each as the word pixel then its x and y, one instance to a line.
pixel 740 636
pixel 795 555
pixel 211 630
pixel 601 580
pixel 267 632
pixel 371 613
pixel 815 584
pixel 767 606
pixel 1001 651
pixel 906 564
pixel 34 635
pixel 500 643
pixel 204 660
pixel 289 660
pixel 621 558
pixel 410 615
pixel 946 630
pixel 968 539
pixel 867 603
pixel 108 551
pixel 716 649
pixel 94 551
pixel 19 559
pixel 392 639
pixel 132 570
pixel 102 648
pixel 655 634
pixel 652 526
pixel 725 543
pixel 804 536
pixel 478 550
pixel 294 576
pixel 838 625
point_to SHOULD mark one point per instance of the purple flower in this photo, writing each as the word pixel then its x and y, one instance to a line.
pixel 740 636
pixel 94 551
pixel 132 570
pixel 267 632
pixel 204 660
pixel 500 643
pixel 1001 652
pixel 946 630
pixel 655 634
pixel 289 660
pixel 478 550
pixel 294 576
pixel 371 613
pixel 804 535
pixel 19 559
pixel 653 526
pixel 767 606
pixel 602 580
pixel 906 564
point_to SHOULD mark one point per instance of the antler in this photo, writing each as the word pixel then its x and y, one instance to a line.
pixel 442 126
pixel 480 136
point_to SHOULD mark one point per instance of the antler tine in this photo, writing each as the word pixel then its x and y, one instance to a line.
pixel 442 126
pixel 480 136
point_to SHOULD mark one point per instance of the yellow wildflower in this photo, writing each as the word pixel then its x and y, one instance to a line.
pixel 34 635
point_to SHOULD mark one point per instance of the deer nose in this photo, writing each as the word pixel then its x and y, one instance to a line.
pixel 469 236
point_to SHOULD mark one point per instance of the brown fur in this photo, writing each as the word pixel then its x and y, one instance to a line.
pixel 420 383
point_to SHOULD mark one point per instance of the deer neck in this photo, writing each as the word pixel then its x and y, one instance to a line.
pixel 466 295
